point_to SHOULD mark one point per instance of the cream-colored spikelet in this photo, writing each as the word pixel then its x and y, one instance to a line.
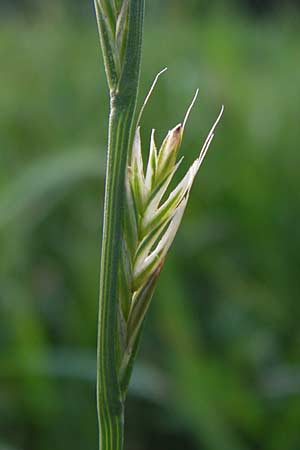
pixel 151 220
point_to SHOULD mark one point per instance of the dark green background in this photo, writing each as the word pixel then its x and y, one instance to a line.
pixel 219 368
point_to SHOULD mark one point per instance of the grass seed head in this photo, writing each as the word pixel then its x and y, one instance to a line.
pixel 155 211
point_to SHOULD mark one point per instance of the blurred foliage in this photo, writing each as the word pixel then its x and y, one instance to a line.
pixel 188 7
pixel 220 365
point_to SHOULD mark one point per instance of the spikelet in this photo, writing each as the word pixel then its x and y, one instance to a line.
pixel 151 220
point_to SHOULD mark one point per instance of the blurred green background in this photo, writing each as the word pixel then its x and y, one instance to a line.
pixel 219 368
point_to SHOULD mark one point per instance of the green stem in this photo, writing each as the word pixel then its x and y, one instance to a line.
pixel 110 406
pixel 110 400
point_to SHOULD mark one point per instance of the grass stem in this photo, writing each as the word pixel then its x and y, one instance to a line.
pixel 123 96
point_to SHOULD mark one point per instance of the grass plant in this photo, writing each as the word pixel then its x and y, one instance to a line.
pixel 230 286
pixel 141 217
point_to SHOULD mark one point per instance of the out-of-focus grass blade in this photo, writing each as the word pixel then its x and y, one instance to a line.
pixel 43 177
pixel 7 447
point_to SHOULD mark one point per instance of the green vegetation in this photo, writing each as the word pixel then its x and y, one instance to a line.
pixel 219 368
